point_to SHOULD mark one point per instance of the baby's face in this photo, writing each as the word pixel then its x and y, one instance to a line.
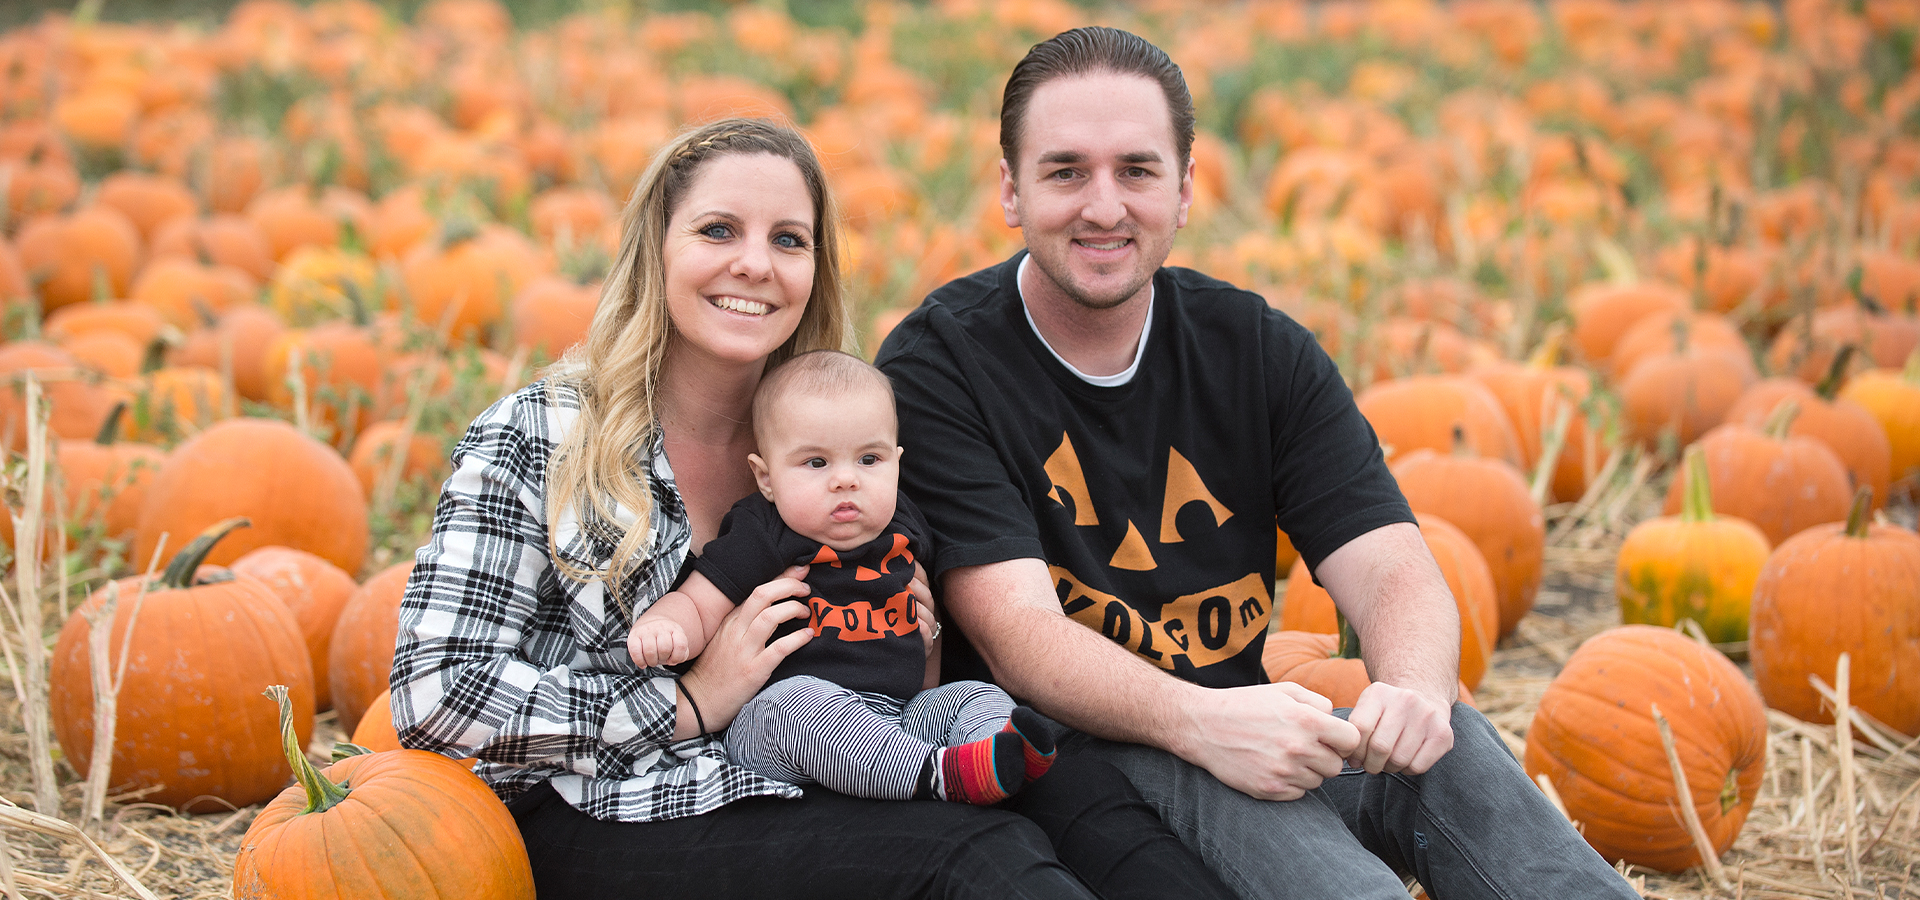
pixel 831 465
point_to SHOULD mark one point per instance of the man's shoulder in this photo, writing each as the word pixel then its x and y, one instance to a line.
pixel 1199 292
pixel 966 304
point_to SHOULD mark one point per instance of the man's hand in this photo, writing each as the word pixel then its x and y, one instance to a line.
pixel 1270 741
pixel 1400 730
pixel 658 642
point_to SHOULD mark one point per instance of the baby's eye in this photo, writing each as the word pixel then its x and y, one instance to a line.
pixel 870 459
pixel 815 463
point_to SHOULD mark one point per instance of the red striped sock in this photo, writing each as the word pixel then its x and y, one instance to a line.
pixel 984 772
pixel 1036 743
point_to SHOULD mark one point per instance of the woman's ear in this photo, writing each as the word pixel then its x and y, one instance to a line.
pixel 762 475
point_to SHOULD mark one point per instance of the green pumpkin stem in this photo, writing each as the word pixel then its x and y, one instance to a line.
pixel 1829 387
pixel 1349 639
pixel 322 794
pixel 179 573
pixel 1697 503
pixel 1859 517
pixel 110 429
pixel 1781 420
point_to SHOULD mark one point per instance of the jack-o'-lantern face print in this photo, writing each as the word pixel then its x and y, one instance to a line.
pixel 1166 538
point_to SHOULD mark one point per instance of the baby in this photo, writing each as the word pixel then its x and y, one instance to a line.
pixel 846 709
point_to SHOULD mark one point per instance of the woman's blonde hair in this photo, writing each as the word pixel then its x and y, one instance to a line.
pixel 601 464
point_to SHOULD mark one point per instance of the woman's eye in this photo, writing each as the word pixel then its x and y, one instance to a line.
pixel 790 241
pixel 815 463
pixel 716 231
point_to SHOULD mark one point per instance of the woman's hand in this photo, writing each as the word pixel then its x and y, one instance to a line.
pixel 738 660
pixel 923 607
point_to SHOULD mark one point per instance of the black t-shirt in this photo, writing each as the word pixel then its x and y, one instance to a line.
pixel 1154 502
pixel 866 629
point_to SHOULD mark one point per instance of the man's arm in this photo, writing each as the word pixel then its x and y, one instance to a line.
pixel 1273 741
pixel 1387 585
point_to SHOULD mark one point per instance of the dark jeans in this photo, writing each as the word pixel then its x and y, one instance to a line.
pixel 1471 828
pixel 833 846
pixel 825 845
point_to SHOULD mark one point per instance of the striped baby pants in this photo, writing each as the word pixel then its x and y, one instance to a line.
pixel 805 730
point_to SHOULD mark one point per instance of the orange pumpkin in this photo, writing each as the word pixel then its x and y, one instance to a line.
pixel 1893 397
pixel 298 491
pixel 1534 395
pixel 1307 607
pixel 223 239
pixel 1780 483
pixel 1594 736
pixel 1425 410
pixel 80 402
pixel 461 283
pixel 1685 392
pixel 75 257
pixel 315 591
pixel 1845 427
pixel 373 452
pixel 1693 566
pixel 1602 313
pixel 419 825
pixel 361 657
pixel 1489 501
pixel 203 644
pixel 147 200
pixel 236 342
pixel 551 314
pixel 1842 587
pixel 105 479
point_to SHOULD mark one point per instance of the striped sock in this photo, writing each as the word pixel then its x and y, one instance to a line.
pixel 984 772
pixel 1036 744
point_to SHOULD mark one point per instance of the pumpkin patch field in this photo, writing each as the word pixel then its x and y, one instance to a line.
pixel 1630 292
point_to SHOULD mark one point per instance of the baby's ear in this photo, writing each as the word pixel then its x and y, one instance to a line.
pixel 761 474
pixel 899 452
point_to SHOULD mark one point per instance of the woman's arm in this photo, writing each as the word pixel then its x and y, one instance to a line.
pixel 482 607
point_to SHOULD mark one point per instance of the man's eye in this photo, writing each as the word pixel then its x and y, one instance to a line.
pixel 815 463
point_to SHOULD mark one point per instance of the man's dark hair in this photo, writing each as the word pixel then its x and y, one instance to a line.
pixel 1087 51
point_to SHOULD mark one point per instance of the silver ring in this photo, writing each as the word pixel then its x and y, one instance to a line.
pixel 936 629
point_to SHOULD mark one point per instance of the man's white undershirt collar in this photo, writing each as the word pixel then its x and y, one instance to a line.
pixel 1116 379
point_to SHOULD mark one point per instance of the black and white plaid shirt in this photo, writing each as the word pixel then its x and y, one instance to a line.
pixel 501 657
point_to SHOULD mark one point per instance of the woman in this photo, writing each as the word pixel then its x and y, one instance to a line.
pixel 574 504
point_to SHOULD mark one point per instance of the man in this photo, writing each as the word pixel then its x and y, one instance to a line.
pixel 1103 447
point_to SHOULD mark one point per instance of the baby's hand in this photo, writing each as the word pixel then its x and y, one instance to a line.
pixel 658 642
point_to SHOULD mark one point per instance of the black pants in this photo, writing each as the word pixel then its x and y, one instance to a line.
pixel 833 846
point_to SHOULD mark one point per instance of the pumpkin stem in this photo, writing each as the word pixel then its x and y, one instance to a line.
pixel 1460 446
pixel 1349 639
pixel 348 750
pixel 1781 419
pixel 1829 387
pixel 322 794
pixel 1912 372
pixel 1857 517
pixel 1547 354
pixel 1680 328
pixel 110 429
pixel 179 573
pixel 1697 505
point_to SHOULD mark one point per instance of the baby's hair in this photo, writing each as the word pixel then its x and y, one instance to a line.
pixel 828 373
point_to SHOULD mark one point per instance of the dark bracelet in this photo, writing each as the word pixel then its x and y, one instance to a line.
pixel 697 718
